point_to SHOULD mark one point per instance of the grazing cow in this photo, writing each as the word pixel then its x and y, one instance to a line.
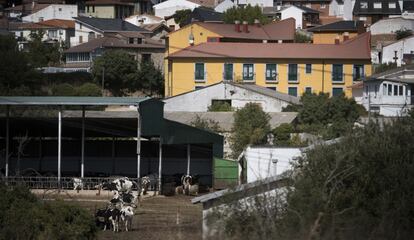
pixel 127 213
pixel 109 217
pixel 119 184
pixel 149 182
pixel 77 184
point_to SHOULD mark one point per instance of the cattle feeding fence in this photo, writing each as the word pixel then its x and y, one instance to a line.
pixel 68 183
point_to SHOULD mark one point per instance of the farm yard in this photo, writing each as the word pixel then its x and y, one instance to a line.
pixel 157 217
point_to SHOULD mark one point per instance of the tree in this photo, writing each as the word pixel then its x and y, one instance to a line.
pixel 15 70
pixel 206 124
pixel 118 69
pixel 385 67
pixel 247 13
pixel 251 125
pixel 219 106
pixel 88 89
pixel 302 38
pixel 64 89
pixel 150 79
pixel 42 54
pixel 181 16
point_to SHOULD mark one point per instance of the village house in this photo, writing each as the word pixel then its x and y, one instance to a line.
pixel 389 93
pixel 37 12
pixel 54 31
pixel 289 68
pixel 342 30
pixel 111 9
pixel 371 11
pixel 400 52
pixel 305 17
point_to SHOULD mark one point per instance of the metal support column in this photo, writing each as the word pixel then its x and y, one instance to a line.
pixel 159 165
pixel 83 144
pixel 59 144
pixel 188 158
pixel 7 139
pixel 138 143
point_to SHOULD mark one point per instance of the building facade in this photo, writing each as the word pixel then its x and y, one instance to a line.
pixel 53 11
pixel 289 68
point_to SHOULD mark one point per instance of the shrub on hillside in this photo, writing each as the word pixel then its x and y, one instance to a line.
pixel 64 89
pixel 88 89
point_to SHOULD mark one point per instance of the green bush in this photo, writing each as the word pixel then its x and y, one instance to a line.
pixel 25 217
pixel 218 106
pixel 88 89
pixel 64 89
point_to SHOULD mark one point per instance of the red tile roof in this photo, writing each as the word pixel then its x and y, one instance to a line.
pixel 59 23
pixel 109 2
pixel 280 30
pixel 49 24
pixel 356 48
pixel 28 7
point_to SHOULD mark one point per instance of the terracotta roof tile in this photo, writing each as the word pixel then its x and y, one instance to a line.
pixel 60 23
pixel 281 30
pixel 356 48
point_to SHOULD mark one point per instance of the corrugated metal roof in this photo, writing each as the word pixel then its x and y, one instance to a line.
pixel 75 101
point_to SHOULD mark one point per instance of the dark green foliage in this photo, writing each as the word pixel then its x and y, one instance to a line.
pixel 64 89
pixel 282 134
pixel 88 89
pixel 291 108
pixel 362 186
pixel 25 217
pixel 385 67
pixel 120 72
pixel 403 33
pixel 246 13
pixel 218 106
pixel 74 78
pixel 150 79
pixel 41 54
pixel 206 124
pixel 251 125
pixel 181 16
pixel 302 38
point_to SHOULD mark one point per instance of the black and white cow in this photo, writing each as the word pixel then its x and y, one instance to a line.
pixel 189 184
pixel 77 184
pixel 149 182
pixel 108 217
pixel 127 214
pixel 119 184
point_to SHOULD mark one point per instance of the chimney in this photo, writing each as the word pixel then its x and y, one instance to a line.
pixel 237 26
pixel 346 36
pixel 245 27
pixel 337 39
pixel 257 22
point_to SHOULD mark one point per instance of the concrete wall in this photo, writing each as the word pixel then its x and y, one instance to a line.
pixel 102 12
pixel 263 162
pixel 293 12
pixel 404 46
pixel 391 25
pixel 55 11
pixel 238 96
pixel 83 31
pixel 348 9
pixel 336 9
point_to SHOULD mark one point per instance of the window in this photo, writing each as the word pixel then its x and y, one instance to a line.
pixel 323 5
pixel 146 57
pixel 377 5
pixel 366 90
pixel 77 57
pixel 358 72
pixel 337 91
pixel 293 73
pixel 60 9
pixel 308 90
pixel 172 28
pixel 392 5
pixel 93 9
pixel 52 33
pixel 228 72
pixel 337 73
pixel 199 71
pixel 400 91
pixel 384 89
pixel 364 5
pixel 131 40
pixel 271 72
pixel 80 39
pixel 80 25
pixel 272 88
pixel 248 71
pixel 308 68
pixel 41 19
pixel 198 87
pixel 395 90
pixel 389 89
pixel 60 32
pixel 293 91
pixel 139 40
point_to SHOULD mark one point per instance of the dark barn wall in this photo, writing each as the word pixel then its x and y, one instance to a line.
pixel 100 162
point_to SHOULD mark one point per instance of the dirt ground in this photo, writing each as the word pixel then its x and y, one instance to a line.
pixel 157 217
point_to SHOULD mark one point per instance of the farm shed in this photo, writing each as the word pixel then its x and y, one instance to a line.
pixel 226 173
pixel 68 136
pixel 270 191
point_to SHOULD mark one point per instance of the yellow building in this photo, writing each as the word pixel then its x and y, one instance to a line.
pixel 109 9
pixel 337 31
pixel 291 68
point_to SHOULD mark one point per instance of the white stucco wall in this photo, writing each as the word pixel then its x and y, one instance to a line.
pixel 201 99
pixel 54 11
pixel 336 9
pixel 348 9
pixel 264 162
pixel 404 46
pixel 81 31
pixel 293 12
pixel 169 7
pixel 137 20
pixel 390 25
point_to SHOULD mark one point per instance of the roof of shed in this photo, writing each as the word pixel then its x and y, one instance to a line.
pixel 72 101
pixel 110 25
pixel 349 26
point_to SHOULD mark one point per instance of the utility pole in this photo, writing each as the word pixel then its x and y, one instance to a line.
pixel 369 107
pixel 103 80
